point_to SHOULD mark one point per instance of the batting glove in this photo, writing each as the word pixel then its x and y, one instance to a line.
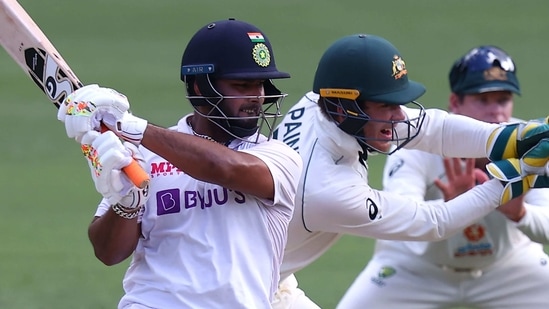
pixel 514 140
pixel 520 175
pixel 86 108
pixel 129 127
pixel 106 156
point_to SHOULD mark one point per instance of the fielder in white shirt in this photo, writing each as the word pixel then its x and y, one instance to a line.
pixel 495 262
pixel 210 230
pixel 355 108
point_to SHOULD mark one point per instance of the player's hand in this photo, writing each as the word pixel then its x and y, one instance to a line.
pixel 85 109
pixel 520 175
pixel 514 140
pixel 460 179
pixel 106 156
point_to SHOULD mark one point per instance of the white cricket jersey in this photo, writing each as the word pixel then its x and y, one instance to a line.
pixel 412 173
pixel 205 246
pixel 334 197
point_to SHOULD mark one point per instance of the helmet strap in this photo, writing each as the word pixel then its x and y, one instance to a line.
pixel 352 123
pixel 270 90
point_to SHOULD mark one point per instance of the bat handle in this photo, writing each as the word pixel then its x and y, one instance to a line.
pixel 134 171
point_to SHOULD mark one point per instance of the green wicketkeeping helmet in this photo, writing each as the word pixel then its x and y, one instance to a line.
pixel 369 64
pixel 364 67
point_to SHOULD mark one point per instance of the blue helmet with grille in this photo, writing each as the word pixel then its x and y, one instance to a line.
pixel 230 49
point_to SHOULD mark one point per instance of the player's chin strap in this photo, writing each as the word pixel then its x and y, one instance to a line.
pixel 354 121
pixel 353 125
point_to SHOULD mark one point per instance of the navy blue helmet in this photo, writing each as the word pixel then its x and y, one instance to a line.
pixel 231 49
pixel 484 69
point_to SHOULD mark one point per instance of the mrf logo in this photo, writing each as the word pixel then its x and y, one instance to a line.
pixel 163 169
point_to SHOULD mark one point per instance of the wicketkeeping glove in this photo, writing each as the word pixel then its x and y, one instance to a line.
pixel 520 175
pixel 514 140
pixel 106 156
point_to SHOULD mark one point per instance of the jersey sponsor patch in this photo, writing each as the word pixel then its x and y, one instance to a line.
pixel 173 200
pixel 168 202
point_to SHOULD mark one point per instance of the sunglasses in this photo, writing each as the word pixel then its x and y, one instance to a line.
pixel 485 57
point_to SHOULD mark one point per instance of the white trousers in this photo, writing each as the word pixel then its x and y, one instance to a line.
pixel 518 280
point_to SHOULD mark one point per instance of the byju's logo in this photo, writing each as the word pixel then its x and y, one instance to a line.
pixel 173 200
pixel 168 202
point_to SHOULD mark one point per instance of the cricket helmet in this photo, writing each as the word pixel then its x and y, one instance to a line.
pixel 482 69
pixel 231 49
pixel 365 67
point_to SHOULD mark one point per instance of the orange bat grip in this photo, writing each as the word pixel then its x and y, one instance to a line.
pixel 134 171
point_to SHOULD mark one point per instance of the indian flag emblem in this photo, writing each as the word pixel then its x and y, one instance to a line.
pixel 256 37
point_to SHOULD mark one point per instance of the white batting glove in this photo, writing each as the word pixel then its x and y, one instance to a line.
pixel 85 109
pixel 129 127
pixel 106 156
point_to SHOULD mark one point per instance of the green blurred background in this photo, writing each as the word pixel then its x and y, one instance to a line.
pixel 135 46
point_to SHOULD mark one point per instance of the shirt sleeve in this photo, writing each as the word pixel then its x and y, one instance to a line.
pixel 444 134
pixel 535 223
pixel 354 208
pixel 285 166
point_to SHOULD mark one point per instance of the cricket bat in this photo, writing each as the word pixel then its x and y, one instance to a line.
pixel 35 54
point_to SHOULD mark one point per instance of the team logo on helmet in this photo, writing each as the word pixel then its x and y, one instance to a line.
pixel 495 73
pixel 399 67
pixel 261 55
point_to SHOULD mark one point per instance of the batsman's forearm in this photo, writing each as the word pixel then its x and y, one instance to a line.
pixel 113 238
pixel 211 162
pixel 200 158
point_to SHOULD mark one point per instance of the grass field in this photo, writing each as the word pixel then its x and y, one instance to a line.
pixel 135 46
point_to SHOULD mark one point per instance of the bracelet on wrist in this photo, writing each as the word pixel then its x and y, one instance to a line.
pixel 124 212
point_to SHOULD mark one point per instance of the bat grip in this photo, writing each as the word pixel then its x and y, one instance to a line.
pixel 134 171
